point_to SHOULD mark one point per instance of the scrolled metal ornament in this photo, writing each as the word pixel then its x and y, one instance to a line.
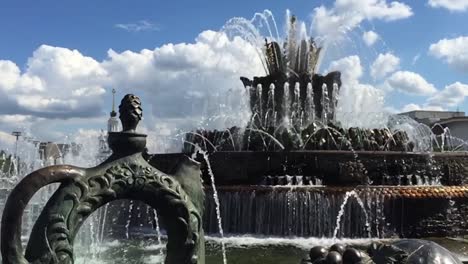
pixel 83 191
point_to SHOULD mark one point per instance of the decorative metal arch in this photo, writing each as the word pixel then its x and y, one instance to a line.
pixel 125 175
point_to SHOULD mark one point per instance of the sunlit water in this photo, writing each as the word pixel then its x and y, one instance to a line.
pixel 239 249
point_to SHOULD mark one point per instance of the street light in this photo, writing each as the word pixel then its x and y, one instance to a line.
pixel 17 134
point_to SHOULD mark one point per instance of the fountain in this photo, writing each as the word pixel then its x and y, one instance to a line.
pixel 294 155
pixel 296 172
pixel 293 172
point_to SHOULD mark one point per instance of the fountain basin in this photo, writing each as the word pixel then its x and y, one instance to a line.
pixel 375 211
pixel 406 194
pixel 335 168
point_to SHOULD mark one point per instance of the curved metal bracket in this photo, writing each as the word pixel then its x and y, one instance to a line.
pixel 83 191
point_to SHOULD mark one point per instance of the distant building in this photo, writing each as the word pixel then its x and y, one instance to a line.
pixel 8 165
pixel 53 153
pixel 432 117
pixel 113 122
pixel 452 125
pixel 113 125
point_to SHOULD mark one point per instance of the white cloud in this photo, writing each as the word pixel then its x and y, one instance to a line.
pixel 142 25
pixel 16 119
pixel 414 107
pixel 350 68
pixel 358 102
pixel 345 15
pixel 415 59
pixel 452 95
pixel 384 65
pixel 370 37
pixel 57 83
pixel 9 73
pixel 189 81
pixel 410 83
pixel 452 5
pixel 452 51
pixel 410 107
pixel 7 141
pixel 375 9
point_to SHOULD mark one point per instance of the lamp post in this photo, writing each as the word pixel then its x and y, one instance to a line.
pixel 17 134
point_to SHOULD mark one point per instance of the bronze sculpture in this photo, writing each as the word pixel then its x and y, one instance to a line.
pixel 179 199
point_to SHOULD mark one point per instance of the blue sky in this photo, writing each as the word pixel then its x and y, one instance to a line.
pixel 91 28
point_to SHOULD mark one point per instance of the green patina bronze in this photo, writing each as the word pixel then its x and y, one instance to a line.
pixel 179 200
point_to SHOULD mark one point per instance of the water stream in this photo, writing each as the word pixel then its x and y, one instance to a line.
pixel 216 199
pixel 342 210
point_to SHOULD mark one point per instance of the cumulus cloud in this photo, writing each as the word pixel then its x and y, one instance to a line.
pixel 453 51
pixel 350 68
pixel 410 83
pixel 189 80
pixel 57 83
pixel 186 81
pixel 142 25
pixel 452 5
pixel 345 15
pixel 7 141
pixel 370 37
pixel 452 95
pixel 384 65
pixel 360 104
pixel 415 107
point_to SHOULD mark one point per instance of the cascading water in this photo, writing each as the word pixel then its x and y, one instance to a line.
pixel 158 229
pixel 270 119
pixel 334 100
pixel 296 105
pixel 342 210
pixel 215 198
pixel 295 211
pixel 129 220
pixel 310 106
pixel 260 99
pixel 325 102
pixel 286 105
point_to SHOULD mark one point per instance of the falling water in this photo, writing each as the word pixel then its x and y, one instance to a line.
pixel 291 40
pixel 286 104
pixel 103 225
pixel 334 100
pixel 94 241
pixel 310 106
pixel 216 199
pixel 271 107
pixel 325 104
pixel 158 229
pixel 267 211
pixel 268 135
pixel 127 225
pixel 259 97
pixel 342 209
pixel 297 104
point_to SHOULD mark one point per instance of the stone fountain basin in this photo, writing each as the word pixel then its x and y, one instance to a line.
pixel 413 210
pixel 332 167
pixel 391 211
